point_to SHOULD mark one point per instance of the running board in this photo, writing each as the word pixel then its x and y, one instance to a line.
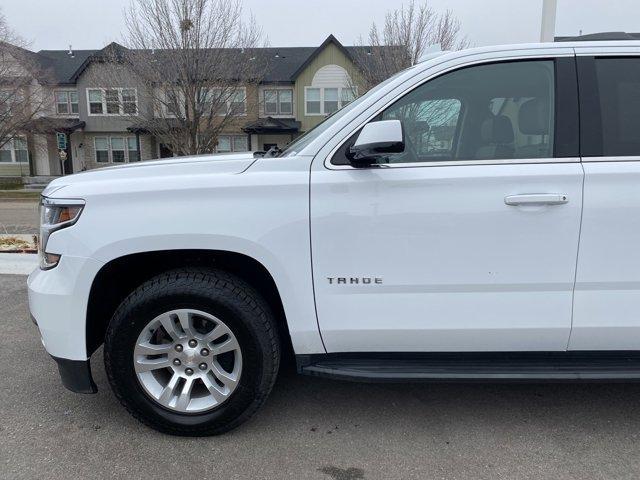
pixel 474 367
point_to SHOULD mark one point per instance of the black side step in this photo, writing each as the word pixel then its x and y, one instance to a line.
pixel 469 367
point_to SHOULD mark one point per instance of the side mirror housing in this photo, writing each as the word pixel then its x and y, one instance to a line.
pixel 376 141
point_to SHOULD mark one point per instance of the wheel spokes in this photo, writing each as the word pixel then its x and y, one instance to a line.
pixel 146 348
pixel 169 326
pixel 185 318
pixel 185 394
pixel 169 391
pixel 218 331
pixel 228 379
pixel 229 345
pixel 218 395
pixel 148 364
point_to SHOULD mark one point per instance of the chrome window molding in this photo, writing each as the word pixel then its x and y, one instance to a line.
pixel 461 163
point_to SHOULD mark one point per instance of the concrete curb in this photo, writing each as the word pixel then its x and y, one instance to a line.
pixel 18 263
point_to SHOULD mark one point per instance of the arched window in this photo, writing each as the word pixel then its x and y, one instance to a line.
pixel 330 90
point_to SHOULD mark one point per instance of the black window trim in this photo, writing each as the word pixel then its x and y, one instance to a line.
pixel 591 142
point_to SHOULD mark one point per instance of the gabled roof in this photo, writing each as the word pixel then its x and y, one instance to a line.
pixel 283 64
pixel 317 51
pixel 62 65
pixel 112 51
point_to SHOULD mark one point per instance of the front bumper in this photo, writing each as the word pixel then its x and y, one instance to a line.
pixel 58 305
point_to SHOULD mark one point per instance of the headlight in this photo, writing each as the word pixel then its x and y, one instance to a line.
pixel 55 214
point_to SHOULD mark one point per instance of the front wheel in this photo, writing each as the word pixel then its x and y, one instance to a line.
pixel 192 352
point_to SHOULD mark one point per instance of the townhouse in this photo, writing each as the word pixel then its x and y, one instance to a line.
pixel 86 125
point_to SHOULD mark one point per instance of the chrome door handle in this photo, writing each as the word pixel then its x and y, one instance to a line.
pixel 536 199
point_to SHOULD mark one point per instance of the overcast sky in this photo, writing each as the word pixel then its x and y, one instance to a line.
pixel 87 24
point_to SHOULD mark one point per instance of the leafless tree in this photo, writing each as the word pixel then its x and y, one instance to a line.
pixel 193 63
pixel 21 97
pixel 407 35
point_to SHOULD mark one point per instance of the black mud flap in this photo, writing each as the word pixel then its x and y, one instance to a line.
pixel 76 375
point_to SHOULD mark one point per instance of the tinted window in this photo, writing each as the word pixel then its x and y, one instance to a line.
pixel 619 88
pixel 485 112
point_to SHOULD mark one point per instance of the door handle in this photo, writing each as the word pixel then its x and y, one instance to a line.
pixel 537 199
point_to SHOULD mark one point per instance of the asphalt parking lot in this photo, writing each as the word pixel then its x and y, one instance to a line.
pixel 314 429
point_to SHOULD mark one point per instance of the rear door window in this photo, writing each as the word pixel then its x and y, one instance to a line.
pixel 618 82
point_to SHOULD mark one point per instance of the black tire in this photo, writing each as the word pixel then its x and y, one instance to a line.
pixel 216 292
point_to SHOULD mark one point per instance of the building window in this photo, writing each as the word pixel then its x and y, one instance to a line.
pixel 112 101
pixel 14 151
pixel 224 144
pixel 240 143
pixel 312 101
pixel 327 100
pixel 347 96
pixel 11 101
pixel 232 143
pixel 285 102
pixel 237 102
pixel 116 149
pixel 95 102
pixel 102 149
pixel 278 102
pixel 118 153
pixel 129 101
pixel 230 101
pixel 330 100
pixel 271 102
pixel 66 102
pixel 132 149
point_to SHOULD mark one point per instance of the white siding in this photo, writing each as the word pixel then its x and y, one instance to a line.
pixel 331 76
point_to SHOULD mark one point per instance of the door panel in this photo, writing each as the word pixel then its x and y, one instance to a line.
pixel 467 239
pixel 607 297
pixel 458 268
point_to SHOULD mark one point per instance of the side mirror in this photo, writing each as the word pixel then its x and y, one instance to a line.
pixel 375 142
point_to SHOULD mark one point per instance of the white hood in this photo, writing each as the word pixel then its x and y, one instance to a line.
pixel 229 164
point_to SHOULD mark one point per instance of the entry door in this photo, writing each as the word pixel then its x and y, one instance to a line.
pixel 467 241
pixel 607 296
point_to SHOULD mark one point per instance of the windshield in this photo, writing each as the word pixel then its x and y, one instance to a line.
pixel 310 135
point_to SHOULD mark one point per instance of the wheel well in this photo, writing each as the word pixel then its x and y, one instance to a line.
pixel 121 276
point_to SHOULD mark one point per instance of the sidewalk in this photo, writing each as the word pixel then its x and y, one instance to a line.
pixel 18 263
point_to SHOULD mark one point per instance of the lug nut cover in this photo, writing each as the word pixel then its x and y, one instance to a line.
pixel 177 362
pixel 188 371
pixel 193 343
pixel 178 348
pixel 202 366
pixel 204 352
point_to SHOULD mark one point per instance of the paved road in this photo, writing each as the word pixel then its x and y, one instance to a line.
pixel 314 429
pixel 19 217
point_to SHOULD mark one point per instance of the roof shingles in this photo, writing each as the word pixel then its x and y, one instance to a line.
pixel 283 63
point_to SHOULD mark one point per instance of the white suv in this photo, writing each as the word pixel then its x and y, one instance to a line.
pixel 475 217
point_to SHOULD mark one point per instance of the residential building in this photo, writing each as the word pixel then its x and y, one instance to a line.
pixel 301 86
